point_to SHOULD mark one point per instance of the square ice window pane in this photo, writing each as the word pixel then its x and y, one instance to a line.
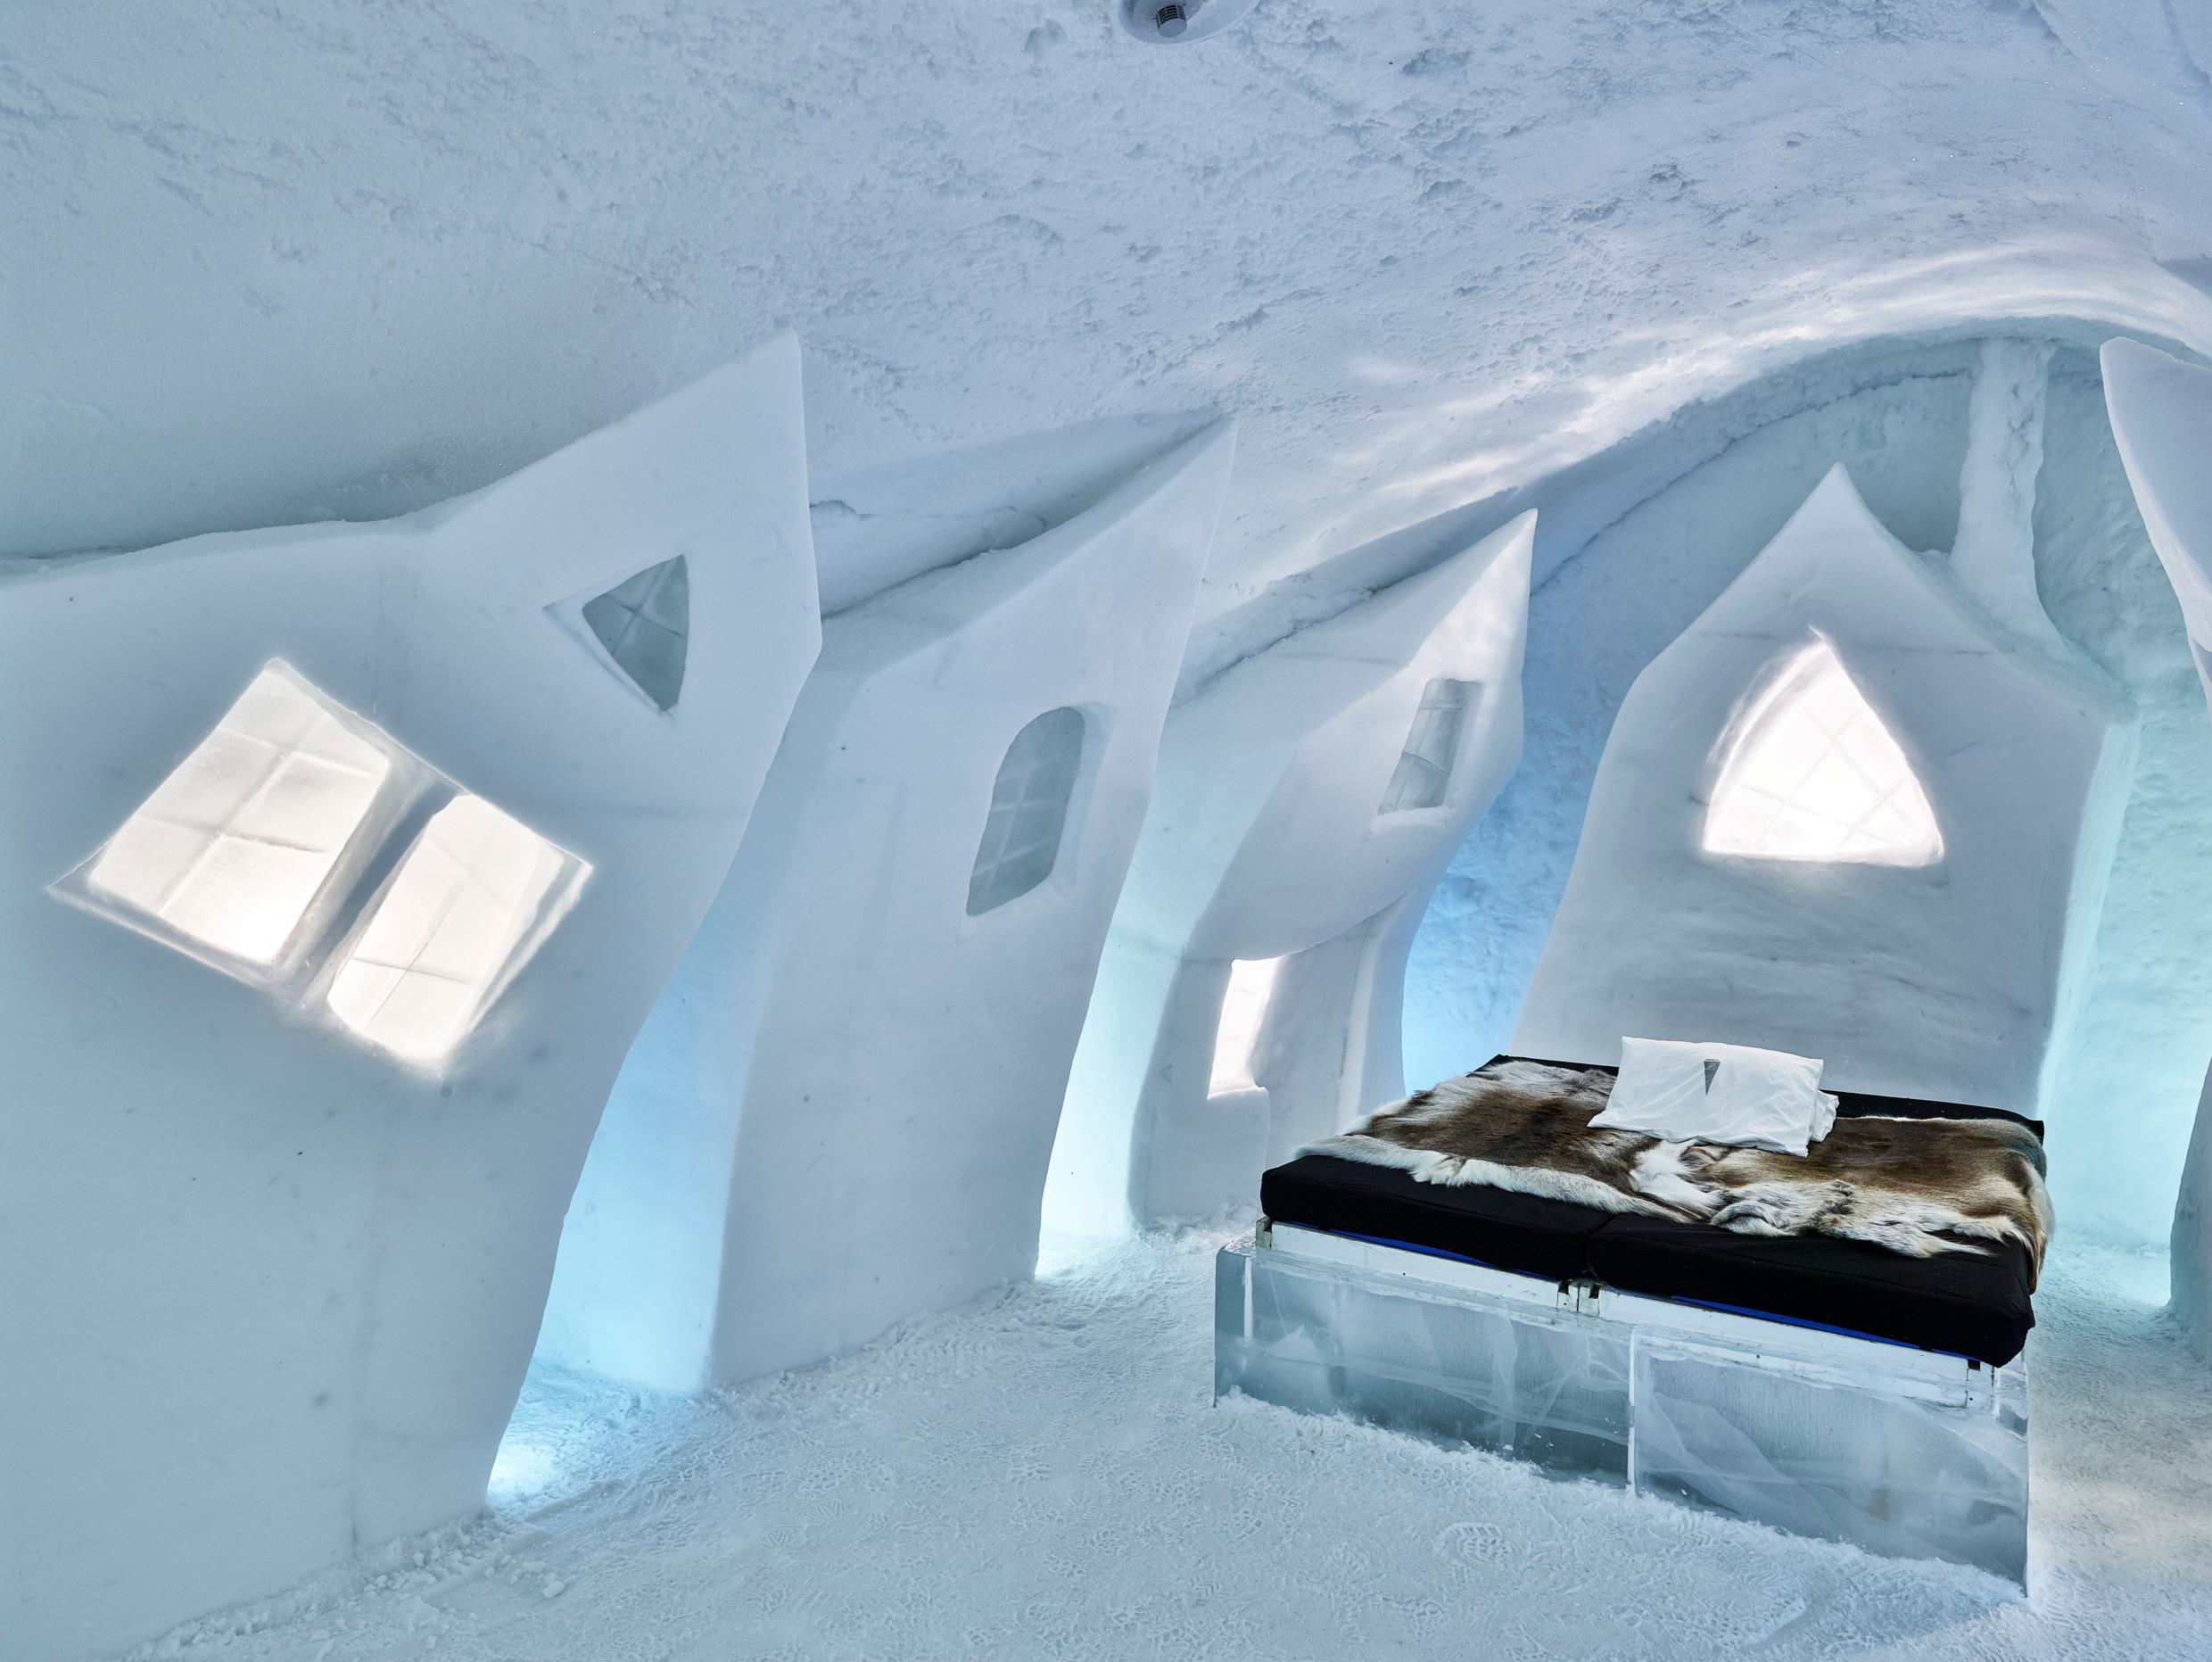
pixel 448 930
pixel 233 847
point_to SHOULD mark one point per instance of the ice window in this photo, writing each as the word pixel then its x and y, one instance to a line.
pixel 1028 810
pixel 1424 766
pixel 644 624
pixel 1817 777
pixel 234 847
pixel 449 928
pixel 1243 1012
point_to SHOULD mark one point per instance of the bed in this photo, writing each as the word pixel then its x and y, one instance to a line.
pixel 1975 1304
pixel 1828 1387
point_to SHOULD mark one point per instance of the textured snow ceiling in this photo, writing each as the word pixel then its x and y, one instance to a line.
pixel 269 265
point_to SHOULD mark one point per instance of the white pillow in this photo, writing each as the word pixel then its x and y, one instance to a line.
pixel 1734 1093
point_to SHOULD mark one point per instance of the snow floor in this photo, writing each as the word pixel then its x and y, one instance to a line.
pixel 1043 1476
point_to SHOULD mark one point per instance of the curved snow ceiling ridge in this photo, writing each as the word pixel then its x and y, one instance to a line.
pixel 2081 293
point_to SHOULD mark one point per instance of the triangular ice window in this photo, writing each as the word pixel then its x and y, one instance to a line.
pixel 1817 777
pixel 644 624
pixel 1243 1012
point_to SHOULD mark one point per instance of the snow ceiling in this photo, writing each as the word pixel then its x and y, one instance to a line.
pixel 284 265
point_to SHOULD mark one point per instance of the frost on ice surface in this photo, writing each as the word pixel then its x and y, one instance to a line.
pixel 1817 777
pixel 644 624
pixel 448 928
pixel 1028 811
pixel 234 847
pixel 1425 765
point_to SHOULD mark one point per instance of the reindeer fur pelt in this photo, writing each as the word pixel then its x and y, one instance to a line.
pixel 1908 1185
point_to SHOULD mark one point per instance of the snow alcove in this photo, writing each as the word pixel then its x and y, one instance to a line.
pixel 821 830
pixel 1308 798
pixel 1924 915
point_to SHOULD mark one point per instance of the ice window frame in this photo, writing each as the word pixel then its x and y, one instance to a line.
pixel 1813 776
pixel 1033 794
pixel 249 781
pixel 1430 757
pixel 461 913
pixel 607 619
pixel 281 729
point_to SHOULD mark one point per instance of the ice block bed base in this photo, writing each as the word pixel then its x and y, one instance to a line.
pixel 1905 1452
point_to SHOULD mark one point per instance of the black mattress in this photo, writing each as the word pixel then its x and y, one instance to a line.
pixel 1973 1304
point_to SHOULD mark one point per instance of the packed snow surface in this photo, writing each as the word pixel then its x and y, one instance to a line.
pixel 1044 1476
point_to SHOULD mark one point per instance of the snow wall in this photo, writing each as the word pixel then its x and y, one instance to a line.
pixel 874 1026
pixel 1844 816
pixel 1611 594
pixel 307 1039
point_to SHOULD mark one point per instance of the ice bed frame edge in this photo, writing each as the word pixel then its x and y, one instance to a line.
pixel 1904 1452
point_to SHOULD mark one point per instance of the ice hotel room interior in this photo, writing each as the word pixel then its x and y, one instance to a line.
pixel 1314 829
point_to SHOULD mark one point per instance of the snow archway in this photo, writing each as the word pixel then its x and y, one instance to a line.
pixel 1847 813
pixel 2161 412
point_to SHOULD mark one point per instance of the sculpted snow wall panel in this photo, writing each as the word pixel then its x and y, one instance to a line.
pixel 2161 412
pixel 1292 820
pixel 270 1286
pixel 839 1113
pixel 1943 974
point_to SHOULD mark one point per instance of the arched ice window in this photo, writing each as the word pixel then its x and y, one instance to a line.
pixel 1817 777
pixel 1424 766
pixel 1028 811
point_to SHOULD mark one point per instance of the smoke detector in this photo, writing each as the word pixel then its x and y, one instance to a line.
pixel 1179 23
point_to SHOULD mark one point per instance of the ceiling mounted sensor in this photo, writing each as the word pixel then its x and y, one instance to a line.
pixel 1179 23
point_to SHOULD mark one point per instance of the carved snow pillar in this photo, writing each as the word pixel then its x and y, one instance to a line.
pixel 839 1116
pixel 2161 412
pixel 1993 557
pixel 1310 797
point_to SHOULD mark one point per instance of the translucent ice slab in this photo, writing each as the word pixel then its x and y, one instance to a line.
pixel 1457 1366
pixel 1904 1452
